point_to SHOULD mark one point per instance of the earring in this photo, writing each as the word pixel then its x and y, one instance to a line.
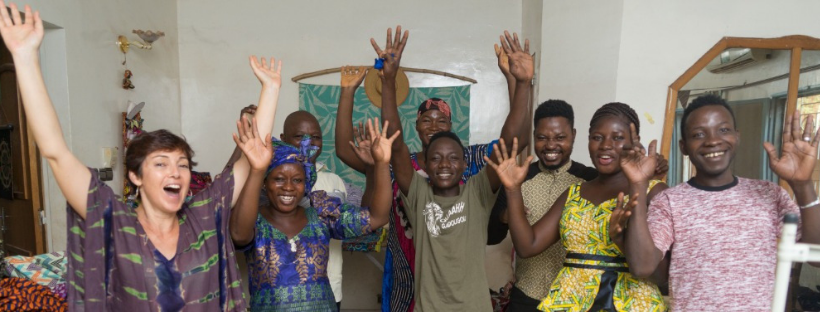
pixel 137 193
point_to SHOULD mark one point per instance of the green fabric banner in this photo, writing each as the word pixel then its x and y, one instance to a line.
pixel 322 101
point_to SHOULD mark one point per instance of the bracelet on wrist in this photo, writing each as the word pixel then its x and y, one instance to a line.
pixel 811 204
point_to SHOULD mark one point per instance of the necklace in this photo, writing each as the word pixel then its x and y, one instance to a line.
pixel 292 242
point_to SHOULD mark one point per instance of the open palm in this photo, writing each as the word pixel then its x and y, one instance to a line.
pixel 510 172
pixel 352 77
pixel 380 145
pixel 503 60
pixel 21 38
pixel 362 145
pixel 635 163
pixel 392 52
pixel 799 151
pixel 258 151
pixel 521 65
pixel 269 74
pixel 619 218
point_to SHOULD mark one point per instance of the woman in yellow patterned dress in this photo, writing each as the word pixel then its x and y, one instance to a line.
pixel 595 276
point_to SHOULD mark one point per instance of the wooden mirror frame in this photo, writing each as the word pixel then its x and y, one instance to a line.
pixel 795 43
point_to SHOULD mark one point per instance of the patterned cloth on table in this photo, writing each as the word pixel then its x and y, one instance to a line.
pixel 290 274
pixel 399 264
pixel 595 276
pixel 45 269
pixel 113 265
pixel 19 294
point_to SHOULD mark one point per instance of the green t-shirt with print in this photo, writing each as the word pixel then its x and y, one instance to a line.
pixel 450 236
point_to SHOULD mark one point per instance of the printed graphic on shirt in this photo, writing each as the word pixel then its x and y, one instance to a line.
pixel 437 221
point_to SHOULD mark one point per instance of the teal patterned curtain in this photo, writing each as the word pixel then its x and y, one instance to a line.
pixel 322 101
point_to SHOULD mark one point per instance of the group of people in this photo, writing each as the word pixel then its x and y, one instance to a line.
pixel 622 230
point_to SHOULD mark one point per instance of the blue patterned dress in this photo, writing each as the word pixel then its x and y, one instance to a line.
pixel 291 274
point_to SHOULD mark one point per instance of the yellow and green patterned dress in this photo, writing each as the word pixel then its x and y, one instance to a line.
pixel 595 276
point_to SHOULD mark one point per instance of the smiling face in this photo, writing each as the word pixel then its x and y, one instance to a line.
pixel 709 140
pixel 285 187
pixel 606 141
pixel 164 181
pixel 445 164
pixel 554 138
pixel 431 122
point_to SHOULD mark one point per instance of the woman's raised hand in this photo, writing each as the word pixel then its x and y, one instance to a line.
pixel 269 74
pixel 258 151
pixel 22 38
pixel 636 164
pixel 381 146
pixel 619 218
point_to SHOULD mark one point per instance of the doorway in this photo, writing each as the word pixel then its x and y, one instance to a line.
pixel 21 208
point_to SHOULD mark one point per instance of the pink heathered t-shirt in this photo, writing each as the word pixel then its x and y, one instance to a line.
pixel 723 241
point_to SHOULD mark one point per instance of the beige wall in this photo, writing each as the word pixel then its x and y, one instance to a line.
pixel 590 53
pixel 83 72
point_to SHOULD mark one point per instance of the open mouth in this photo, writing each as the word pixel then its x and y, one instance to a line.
pixel 605 159
pixel 172 189
pixel 287 200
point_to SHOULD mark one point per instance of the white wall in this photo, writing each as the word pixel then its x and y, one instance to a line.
pixel 216 81
pixel 83 73
pixel 660 40
pixel 579 60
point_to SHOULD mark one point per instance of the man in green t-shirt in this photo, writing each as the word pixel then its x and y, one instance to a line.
pixel 450 225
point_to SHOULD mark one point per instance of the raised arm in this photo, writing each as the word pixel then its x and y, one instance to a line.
pixel 528 240
pixel 391 54
pixel 521 68
pixel 402 167
pixel 379 152
pixel 639 248
pixel 258 152
pixel 271 79
pixel 23 41
pixel 361 148
pixel 247 112
pixel 795 165
pixel 351 79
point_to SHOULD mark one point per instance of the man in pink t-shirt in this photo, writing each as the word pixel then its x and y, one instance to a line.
pixel 722 230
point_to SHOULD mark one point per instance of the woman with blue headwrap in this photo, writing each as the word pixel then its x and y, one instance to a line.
pixel 286 245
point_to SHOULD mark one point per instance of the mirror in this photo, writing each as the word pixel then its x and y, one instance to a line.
pixel 762 82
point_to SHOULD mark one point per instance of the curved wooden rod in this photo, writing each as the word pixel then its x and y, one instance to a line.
pixel 406 69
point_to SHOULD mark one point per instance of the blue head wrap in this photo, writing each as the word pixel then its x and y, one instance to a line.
pixel 284 153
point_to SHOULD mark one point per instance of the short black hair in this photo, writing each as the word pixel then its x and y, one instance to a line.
pixel 554 108
pixel 617 109
pixel 701 101
pixel 447 135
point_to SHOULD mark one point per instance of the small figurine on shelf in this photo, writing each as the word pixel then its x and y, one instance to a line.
pixel 126 82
